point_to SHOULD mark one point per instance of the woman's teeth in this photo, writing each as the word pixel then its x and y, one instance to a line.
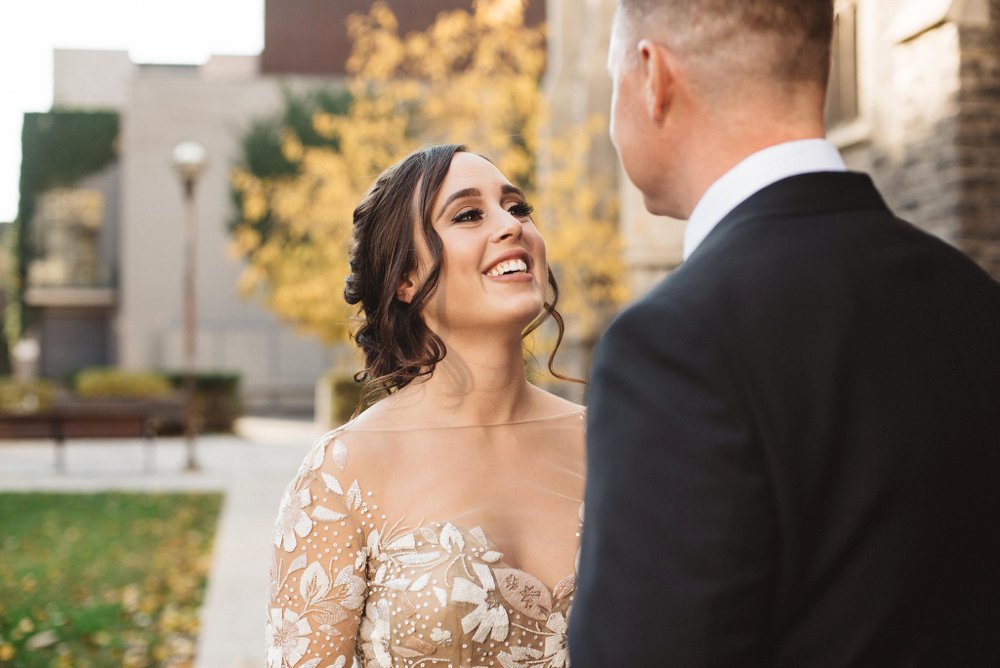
pixel 508 267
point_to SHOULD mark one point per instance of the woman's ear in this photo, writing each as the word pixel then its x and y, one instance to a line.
pixel 406 289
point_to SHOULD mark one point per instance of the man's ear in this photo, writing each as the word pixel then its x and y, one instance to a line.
pixel 406 289
pixel 658 74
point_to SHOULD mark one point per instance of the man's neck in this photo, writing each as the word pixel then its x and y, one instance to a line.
pixel 709 137
pixel 752 174
pixel 727 150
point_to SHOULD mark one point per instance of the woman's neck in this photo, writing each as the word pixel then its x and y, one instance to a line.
pixel 480 381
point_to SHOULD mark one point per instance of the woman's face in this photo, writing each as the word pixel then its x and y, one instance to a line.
pixel 493 268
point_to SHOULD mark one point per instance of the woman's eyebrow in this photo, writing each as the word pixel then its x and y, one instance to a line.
pixel 508 189
pixel 465 192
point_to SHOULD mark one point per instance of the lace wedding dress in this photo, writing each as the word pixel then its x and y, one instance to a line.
pixel 430 547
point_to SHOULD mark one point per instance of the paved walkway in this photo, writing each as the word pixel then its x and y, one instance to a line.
pixel 252 470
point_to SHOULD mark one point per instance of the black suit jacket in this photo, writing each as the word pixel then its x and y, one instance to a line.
pixel 794 449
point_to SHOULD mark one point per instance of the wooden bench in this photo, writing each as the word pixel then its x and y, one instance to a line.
pixel 93 420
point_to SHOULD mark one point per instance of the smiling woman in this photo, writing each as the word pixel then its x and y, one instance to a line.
pixel 398 252
pixel 440 526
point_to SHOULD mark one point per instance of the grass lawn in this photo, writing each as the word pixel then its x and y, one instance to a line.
pixel 94 580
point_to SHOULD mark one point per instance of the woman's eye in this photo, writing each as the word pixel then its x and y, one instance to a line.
pixel 521 210
pixel 468 216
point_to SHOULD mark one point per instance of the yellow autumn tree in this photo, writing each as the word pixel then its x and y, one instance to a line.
pixel 471 78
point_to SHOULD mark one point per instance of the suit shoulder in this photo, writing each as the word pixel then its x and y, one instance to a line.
pixel 663 318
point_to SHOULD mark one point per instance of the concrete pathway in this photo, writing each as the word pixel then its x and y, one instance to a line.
pixel 251 469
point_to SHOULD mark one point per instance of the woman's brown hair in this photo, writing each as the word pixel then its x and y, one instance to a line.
pixel 397 345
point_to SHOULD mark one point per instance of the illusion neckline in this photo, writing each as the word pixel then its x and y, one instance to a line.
pixel 545 418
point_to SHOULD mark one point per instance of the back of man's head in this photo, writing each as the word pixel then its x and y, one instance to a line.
pixel 728 43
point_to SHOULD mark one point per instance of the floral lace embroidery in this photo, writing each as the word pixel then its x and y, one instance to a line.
pixel 346 584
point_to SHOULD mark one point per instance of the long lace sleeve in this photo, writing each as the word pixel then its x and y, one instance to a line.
pixel 318 575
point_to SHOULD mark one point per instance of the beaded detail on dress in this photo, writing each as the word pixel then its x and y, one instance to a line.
pixel 384 553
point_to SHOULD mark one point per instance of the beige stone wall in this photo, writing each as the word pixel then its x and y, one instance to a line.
pixel 653 245
pixel 86 79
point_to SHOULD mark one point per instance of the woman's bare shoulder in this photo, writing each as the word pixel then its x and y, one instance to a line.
pixel 396 411
pixel 548 404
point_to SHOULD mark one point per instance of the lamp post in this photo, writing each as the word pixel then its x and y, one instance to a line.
pixel 189 160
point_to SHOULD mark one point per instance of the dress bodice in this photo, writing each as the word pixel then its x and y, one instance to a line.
pixel 429 547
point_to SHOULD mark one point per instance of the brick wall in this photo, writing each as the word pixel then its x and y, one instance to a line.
pixel 977 142
pixel 914 144
pixel 932 115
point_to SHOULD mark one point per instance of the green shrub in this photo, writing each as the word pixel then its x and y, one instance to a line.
pixel 207 381
pixel 102 383
pixel 217 398
pixel 346 397
pixel 25 397
pixel 343 395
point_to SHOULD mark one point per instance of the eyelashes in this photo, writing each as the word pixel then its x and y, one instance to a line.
pixel 518 210
pixel 468 216
pixel 521 210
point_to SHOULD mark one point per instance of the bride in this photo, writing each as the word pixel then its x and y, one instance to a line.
pixel 440 526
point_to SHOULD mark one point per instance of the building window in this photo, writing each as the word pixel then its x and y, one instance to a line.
pixel 842 95
pixel 66 235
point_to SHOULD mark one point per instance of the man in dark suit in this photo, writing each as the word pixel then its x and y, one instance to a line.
pixel 794 440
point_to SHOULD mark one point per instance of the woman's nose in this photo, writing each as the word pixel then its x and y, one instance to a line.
pixel 509 227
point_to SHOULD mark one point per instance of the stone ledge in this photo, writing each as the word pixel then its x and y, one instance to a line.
pixel 916 17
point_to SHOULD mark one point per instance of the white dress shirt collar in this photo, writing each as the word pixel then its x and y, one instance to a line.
pixel 754 173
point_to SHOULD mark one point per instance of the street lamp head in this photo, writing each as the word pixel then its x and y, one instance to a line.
pixel 189 159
